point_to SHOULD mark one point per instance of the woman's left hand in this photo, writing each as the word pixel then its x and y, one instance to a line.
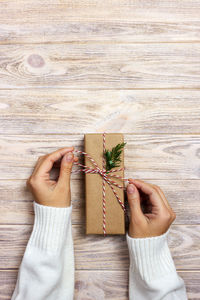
pixel 50 192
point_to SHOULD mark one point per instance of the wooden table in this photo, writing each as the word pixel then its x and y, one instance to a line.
pixel 70 67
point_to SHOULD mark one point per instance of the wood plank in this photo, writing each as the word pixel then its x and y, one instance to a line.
pixel 61 111
pixel 89 66
pixel 69 20
pixel 26 12
pixel 102 30
pixel 146 156
pixel 100 285
pixel 17 208
pixel 98 253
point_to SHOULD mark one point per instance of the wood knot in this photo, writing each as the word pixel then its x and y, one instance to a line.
pixel 36 61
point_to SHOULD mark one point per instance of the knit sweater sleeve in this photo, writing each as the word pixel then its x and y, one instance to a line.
pixel 47 267
pixel 152 273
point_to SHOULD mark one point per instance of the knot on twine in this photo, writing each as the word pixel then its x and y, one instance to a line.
pixel 106 179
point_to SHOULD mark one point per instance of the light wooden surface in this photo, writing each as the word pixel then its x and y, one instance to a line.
pixel 70 67
pixel 99 65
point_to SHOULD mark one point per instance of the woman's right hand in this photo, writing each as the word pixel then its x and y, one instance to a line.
pixel 156 216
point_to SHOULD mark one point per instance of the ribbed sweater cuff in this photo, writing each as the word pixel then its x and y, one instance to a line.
pixel 150 257
pixel 50 228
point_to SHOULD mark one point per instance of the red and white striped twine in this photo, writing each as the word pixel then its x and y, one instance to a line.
pixel 105 176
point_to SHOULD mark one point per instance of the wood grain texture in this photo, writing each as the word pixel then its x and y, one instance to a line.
pixel 58 111
pixel 70 67
pixel 146 156
pixel 122 10
pixel 99 30
pixel 16 201
pixel 103 21
pixel 97 253
pixel 100 285
pixel 98 65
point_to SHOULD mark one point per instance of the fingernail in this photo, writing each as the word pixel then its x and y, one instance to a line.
pixel 69 157
pixel 130 189
pixel 130 179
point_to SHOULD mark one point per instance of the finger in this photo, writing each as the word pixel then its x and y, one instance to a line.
pixel 162 195
pixel 134 203
pixel 38 163
pixel 47 163
pixel 57 164
pixel 164 199
pixel 148 189
pixel 160 192
pixel 65 170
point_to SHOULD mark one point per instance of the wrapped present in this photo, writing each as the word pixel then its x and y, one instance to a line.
pixel 104 185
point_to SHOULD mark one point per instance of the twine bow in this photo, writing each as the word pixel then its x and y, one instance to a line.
pixel 105 176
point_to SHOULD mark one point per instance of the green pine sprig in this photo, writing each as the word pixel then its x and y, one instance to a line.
pixel 112 157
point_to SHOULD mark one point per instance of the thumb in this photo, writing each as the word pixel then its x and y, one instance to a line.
pixel 134 203
pixel 65 169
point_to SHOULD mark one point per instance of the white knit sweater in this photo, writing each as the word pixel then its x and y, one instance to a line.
pixel 47 268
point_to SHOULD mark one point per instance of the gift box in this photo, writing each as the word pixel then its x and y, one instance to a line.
pixel 111 219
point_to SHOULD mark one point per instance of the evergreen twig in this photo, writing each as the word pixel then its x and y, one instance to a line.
pixel 112 157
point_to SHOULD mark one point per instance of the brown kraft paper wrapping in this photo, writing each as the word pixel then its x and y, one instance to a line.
pixel 115 218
